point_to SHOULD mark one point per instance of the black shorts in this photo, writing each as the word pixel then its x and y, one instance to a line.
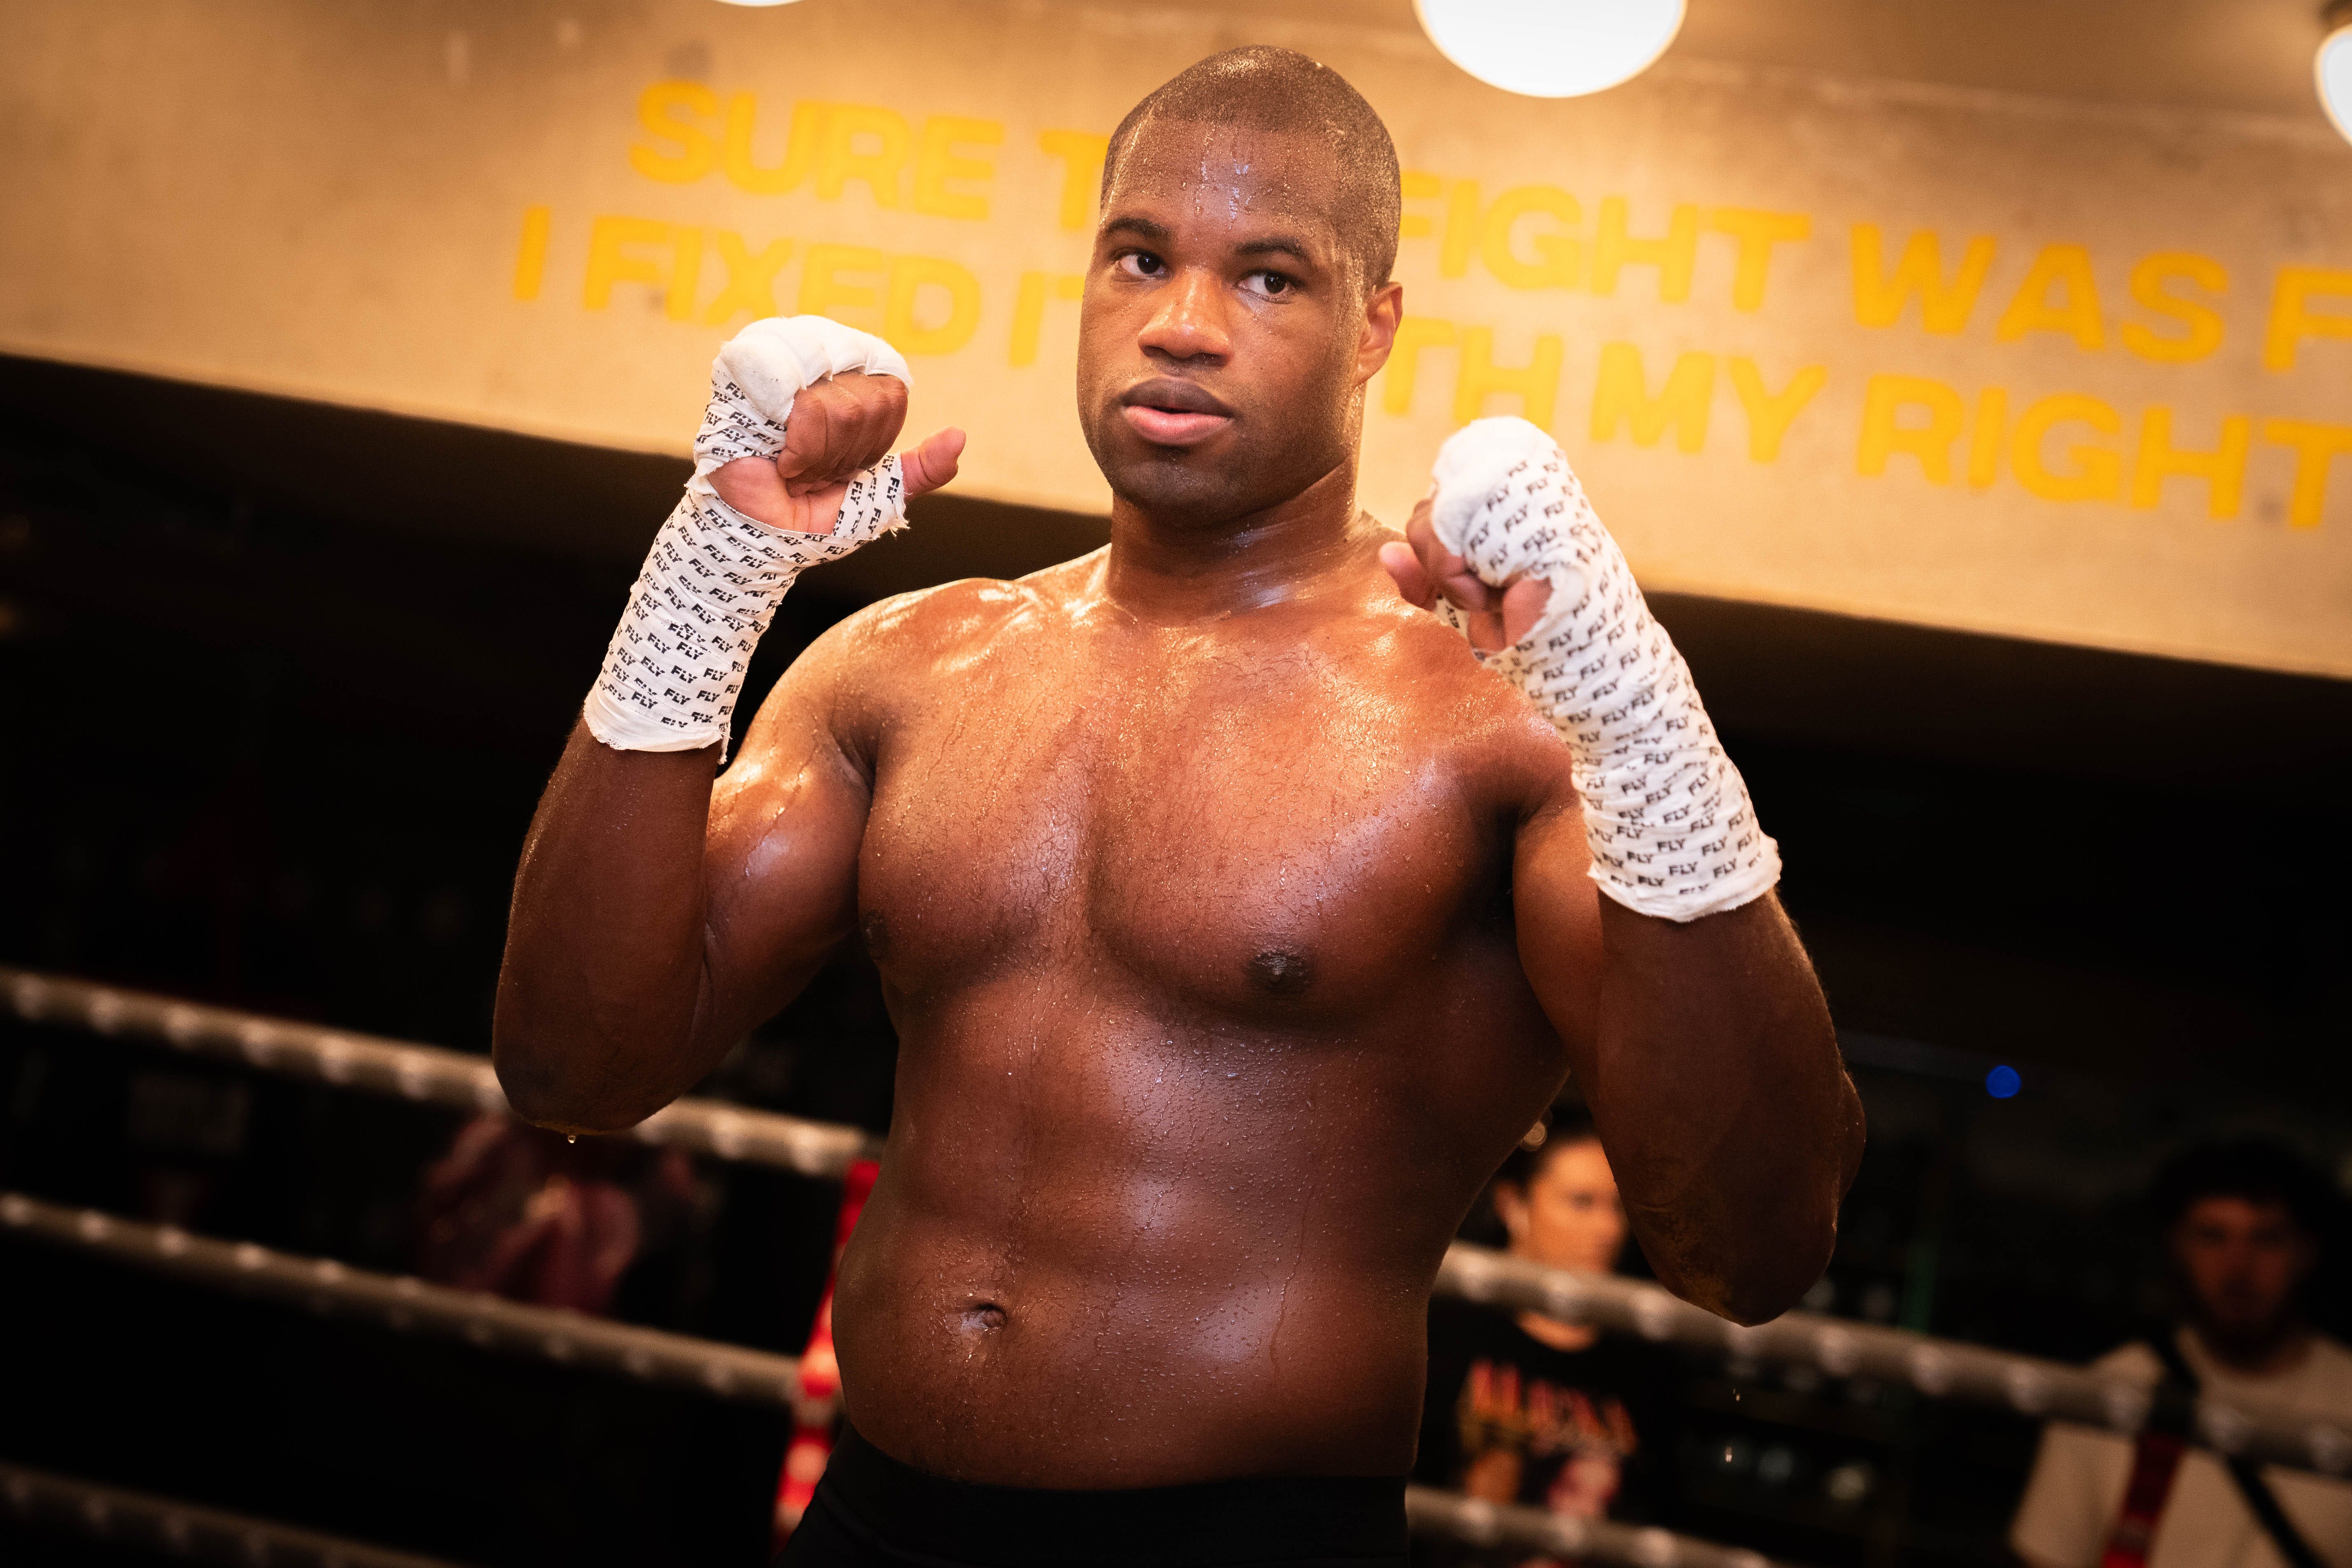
pixel 871 1511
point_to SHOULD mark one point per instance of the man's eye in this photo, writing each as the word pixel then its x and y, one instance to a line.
pixel 1142 264
pixel 1273 285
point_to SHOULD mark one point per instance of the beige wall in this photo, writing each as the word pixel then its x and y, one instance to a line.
pixel 1697 281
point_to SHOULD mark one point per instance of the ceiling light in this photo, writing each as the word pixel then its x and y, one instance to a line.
pixel 1552 48
pixel 2334 66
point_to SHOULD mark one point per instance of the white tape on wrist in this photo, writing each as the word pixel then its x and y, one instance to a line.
pixel 713 579
pixel 1672 831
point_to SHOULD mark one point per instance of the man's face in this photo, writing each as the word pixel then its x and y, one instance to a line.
pixel 1226 334
pixel 2242 1262
pixel 1569 1216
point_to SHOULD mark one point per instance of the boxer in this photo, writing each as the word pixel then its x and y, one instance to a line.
pixel 1241 891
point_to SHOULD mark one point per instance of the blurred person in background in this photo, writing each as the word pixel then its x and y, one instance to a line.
pixel 1524 1408
pixel 2242 1224
pixel 531 1215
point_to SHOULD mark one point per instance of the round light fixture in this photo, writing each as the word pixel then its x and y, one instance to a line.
pixel 2334 66
pixel 1552 48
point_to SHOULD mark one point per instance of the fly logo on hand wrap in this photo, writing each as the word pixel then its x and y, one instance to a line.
pixel 1672 831
pixel 714 577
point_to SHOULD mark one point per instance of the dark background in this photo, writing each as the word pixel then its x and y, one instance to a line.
pixel 278 686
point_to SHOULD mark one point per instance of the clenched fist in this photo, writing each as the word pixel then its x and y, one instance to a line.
pixel 838 428
pixel 1423 568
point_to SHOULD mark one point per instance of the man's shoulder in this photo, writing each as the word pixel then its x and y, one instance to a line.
pixel 2321 1381
pixel 2327 1377
pixel 1427 671
pixel 929 623
pixel 2332 1351
pixel 2136 1360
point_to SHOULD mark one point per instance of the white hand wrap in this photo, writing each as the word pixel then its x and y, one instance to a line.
pixel 1671 829
pixel 714 577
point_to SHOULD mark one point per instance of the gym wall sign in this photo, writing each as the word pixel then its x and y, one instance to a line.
pixel 2050 369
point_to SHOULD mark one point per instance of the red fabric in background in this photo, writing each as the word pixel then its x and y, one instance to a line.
pixel 2155 1460
pixel 817 1412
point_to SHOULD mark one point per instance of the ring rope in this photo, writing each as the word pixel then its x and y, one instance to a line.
pixel 424 1073
pixel 408 1305
pixel 199 1534
pixel 1937 1368
pixel 1429 1511
pixel 184 1530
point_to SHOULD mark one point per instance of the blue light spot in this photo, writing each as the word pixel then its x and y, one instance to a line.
pixel 2002 1082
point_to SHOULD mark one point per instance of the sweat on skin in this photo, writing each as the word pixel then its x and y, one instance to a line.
pixel 1235 920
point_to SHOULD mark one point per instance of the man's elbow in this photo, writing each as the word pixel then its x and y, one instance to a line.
pixel 1772 1283
pixel 1798 1238
pixel 1752 1266
pixel 544 1086
pixel 1789 1242
pixel 536 1089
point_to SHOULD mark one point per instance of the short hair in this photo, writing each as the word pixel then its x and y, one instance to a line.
pixel 1263 88
pixel 2254 1169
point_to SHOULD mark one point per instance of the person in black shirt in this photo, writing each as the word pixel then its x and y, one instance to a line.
pixel 1525 1409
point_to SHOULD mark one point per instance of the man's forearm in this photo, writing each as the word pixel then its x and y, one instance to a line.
pixel 1719 1092
pixel 1713 1074
pixel 604 988
pixel 612 1000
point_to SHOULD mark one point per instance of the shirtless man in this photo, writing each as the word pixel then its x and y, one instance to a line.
pixel 1234 919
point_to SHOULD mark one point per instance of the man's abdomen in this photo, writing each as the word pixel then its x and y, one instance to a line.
pixel 1146 1254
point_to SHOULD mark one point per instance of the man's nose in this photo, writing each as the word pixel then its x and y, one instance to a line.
pixel 1188 321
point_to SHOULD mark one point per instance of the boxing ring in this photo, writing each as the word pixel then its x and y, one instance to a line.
pixel 1933 1368
pixel 170 1528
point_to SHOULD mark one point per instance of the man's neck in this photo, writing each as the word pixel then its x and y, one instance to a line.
pixel 1191 571
pixel 2263 1355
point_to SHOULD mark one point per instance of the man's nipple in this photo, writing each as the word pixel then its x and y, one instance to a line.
pixel 1281 972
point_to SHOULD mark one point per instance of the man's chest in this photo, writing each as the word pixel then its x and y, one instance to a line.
pixel 1286 835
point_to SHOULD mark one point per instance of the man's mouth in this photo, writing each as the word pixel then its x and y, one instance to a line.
pixel 1167 412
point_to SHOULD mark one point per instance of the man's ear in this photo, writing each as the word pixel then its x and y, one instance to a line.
pixel 1383 308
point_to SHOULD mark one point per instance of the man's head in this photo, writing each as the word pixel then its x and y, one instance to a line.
pixel 2241 1223
pixel 1239 294
pixel 1558 1201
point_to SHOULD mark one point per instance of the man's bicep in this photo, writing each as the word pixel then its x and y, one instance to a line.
pixel 1557 911
pixel 787 819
